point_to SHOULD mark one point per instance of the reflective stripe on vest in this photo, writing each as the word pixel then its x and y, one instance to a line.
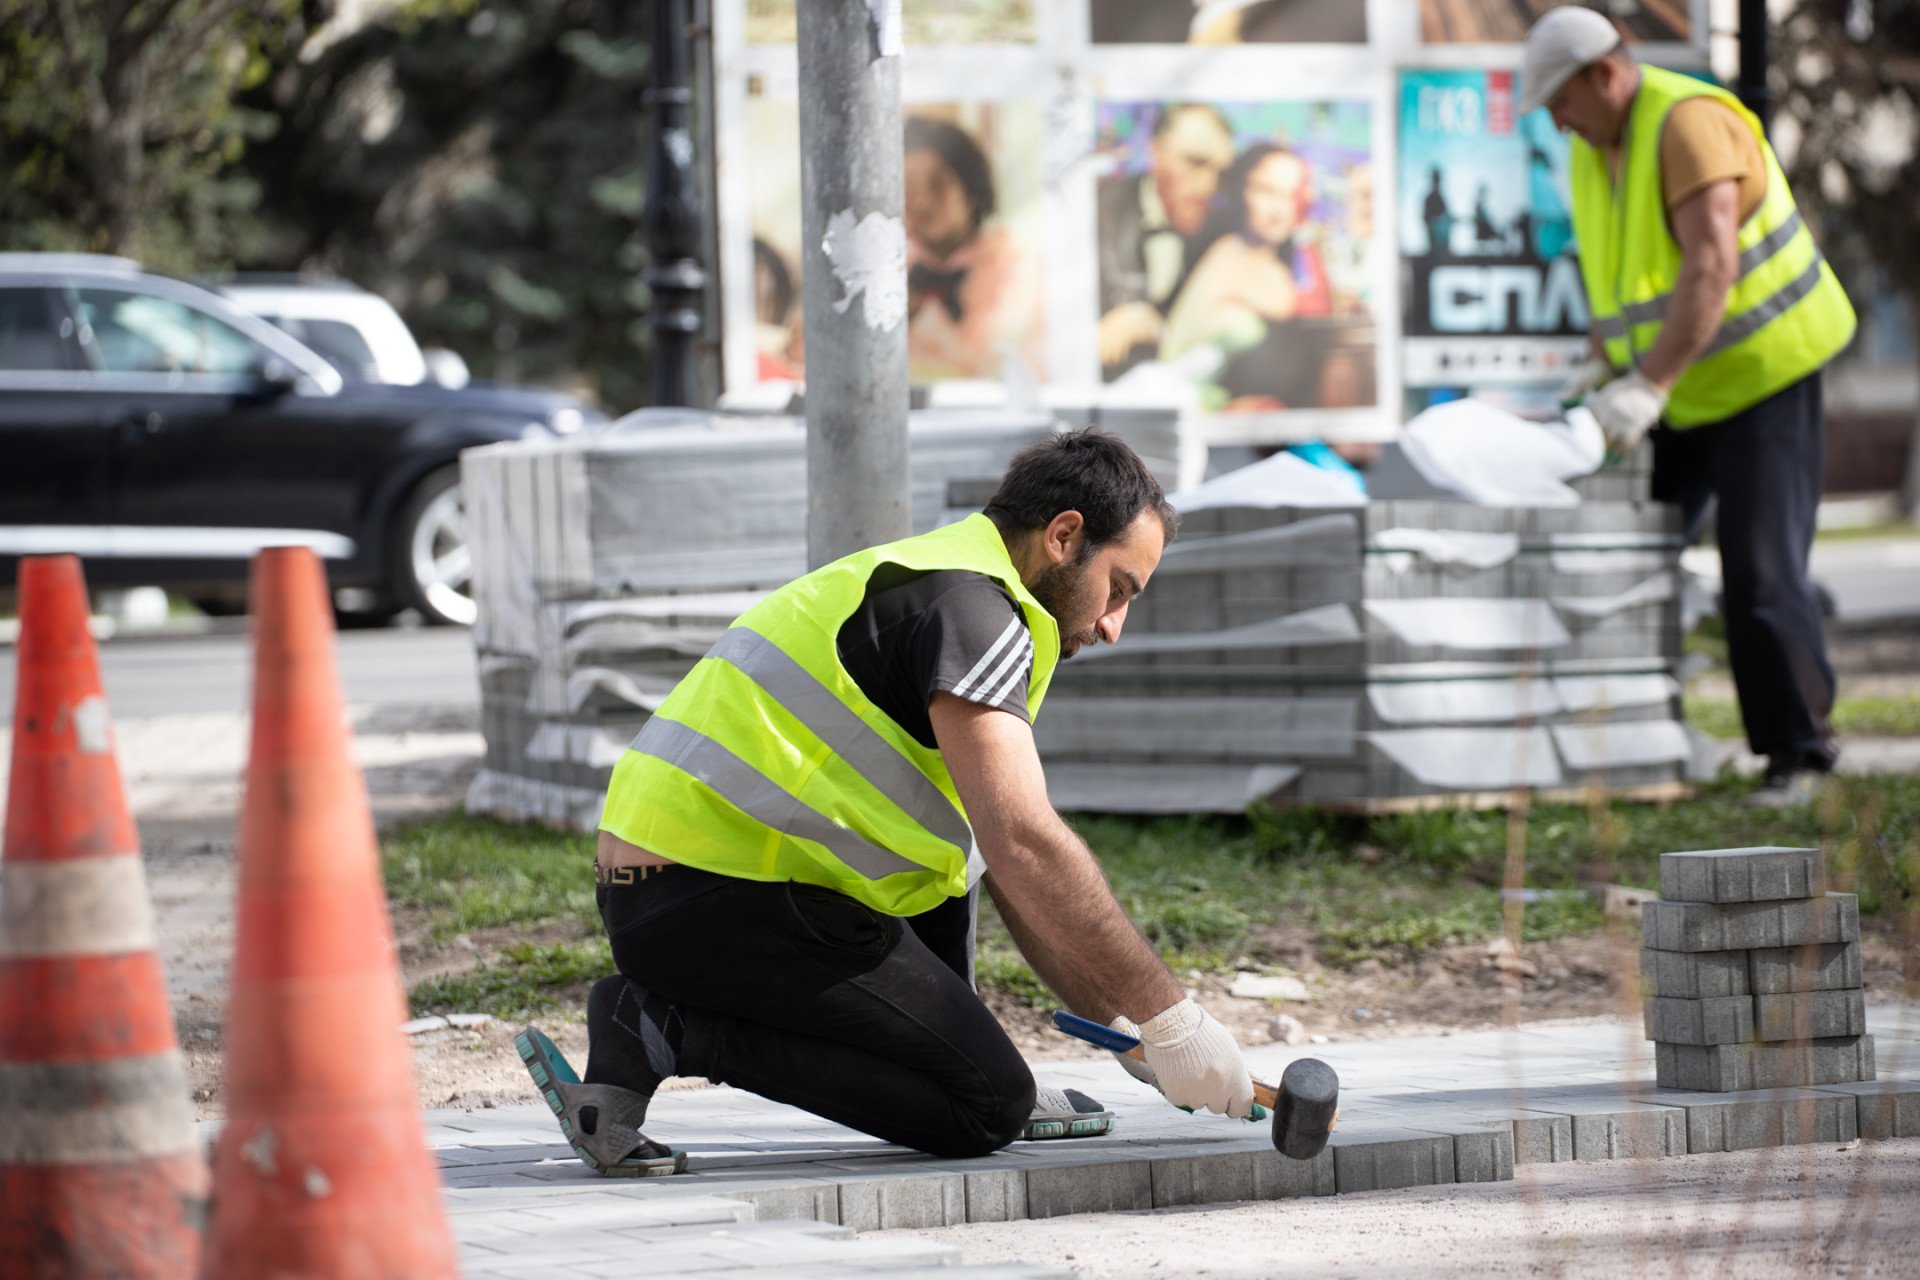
pixel 1786 314
pixel 768 762
pixel 837 725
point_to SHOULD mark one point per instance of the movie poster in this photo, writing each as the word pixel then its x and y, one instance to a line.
pixel 1491 291
pixel 1236 249
pixel 1507 21
pixel 974 218
pixel 1228 21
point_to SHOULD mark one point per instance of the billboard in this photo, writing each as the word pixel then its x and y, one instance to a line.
pixel 1236 244
pixel 1507 21
pixel 1491 292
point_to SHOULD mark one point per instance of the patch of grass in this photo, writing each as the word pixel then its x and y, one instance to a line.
pixel 1890 530
pixel 1211 890
pixel 527 980
pixel 1000 967
pixel 473 873
pixel 1883 716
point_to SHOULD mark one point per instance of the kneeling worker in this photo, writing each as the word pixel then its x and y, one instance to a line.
pixel 790 849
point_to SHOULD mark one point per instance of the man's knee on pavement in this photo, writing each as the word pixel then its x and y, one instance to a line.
pixel 986 1125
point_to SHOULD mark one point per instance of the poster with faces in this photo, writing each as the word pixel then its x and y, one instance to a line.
pixel 1210 200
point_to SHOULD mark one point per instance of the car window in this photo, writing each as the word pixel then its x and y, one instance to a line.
pixel 130 332
pixel 27 337
pixel 339 342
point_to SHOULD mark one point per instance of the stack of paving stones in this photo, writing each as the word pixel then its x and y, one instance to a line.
pixel 606 565
pixel 1393 655
pixel 1751 970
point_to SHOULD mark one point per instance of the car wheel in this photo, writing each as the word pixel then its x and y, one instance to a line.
pixel 432 567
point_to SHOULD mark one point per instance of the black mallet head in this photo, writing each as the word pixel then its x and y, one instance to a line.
pixel 1303 1112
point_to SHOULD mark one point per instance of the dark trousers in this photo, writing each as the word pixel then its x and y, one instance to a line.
pixel 1764 466
pixel 807 997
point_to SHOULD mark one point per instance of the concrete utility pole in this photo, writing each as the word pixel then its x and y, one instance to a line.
pixel 854 275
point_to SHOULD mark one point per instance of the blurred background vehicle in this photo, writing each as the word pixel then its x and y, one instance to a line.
pixel 357 331
pixel 166 435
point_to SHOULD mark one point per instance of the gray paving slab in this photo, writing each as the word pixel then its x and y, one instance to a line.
pixel 1701 926
pixel 1884 1108
pixel 1810 1015
pixel 1699 975
pixel 1742 875
pixel 1829 967
pixel 1715 1020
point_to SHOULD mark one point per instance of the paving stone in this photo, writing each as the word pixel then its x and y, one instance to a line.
pixel 1701 926
pixel 1718 1020
pixel 1278 1177
pixel 1885 1108
pixel 1627 1132
pixel 1743 875
pixel 1484 1155
pixel 998 1195
pixel 1221 1178
pixel 1833 966
pixel 1762 1118
pixel 1383 1159
pixel 1542 1138
pixel 926 1199
pixel 1699 975
pixel 791 1198
pixel 1810 1015
pixel 1089 1188
pixel 1721 1068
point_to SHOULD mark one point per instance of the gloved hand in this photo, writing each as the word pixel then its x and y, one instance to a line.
pixel 1626 410
pixel 1587 375
pixel 1133 1066
pixel 1198 1064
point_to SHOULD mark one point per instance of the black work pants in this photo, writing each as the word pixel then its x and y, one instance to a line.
pixel 807 997
pixel 1764 466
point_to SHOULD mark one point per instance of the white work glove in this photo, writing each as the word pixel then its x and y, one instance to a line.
pixel 1134 1067
pixel 1198 1064
pixel 1586 376
pixel 1626 410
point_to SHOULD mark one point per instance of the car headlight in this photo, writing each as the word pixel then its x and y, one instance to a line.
pixel 565 421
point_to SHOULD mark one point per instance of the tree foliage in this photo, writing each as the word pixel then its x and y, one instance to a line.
pixel 120 125
pixel 1848 74
pixel 481 165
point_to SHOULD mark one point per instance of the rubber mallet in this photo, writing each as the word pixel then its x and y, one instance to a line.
pixel 1304 1106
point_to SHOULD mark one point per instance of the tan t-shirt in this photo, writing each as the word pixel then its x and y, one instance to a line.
pixel 1703 142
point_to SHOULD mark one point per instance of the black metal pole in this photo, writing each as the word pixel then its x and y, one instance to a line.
pixel 1753 88
pixel 670 220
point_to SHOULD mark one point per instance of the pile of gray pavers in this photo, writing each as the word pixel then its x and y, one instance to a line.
pixel 1752 973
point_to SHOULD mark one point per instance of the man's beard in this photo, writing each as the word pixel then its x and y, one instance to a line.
pixel 1054 587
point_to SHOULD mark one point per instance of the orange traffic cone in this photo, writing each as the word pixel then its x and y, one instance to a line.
pixel 321 1171
pixel 101 1173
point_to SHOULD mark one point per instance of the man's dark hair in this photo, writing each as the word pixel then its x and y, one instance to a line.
pixel 1087 471
pixel 960 153
pixel 1174 110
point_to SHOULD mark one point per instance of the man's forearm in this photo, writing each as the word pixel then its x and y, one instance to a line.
pixel 1698 305
pixel 1064 918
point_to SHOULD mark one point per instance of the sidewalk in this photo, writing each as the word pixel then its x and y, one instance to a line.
pixel 775 1193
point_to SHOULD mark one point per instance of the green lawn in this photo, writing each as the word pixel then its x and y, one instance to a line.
pixel 1895 716
pixel 1209 891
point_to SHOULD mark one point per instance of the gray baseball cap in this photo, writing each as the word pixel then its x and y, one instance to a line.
pixel 1564 41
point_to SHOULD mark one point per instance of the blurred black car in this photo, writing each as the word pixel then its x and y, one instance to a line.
pixel 166 435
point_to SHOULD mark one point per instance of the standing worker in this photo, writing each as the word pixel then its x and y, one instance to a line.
pixel 1713 315
pixel 789 849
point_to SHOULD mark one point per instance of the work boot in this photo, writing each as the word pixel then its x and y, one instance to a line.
pixel 1792 779
pixel 601 1121
pixel 1065 1113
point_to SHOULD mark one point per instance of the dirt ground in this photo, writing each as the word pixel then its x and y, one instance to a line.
pixel 1781 1212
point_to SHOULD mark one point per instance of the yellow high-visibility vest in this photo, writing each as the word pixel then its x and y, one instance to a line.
pixel 1786 313
pixel 768 762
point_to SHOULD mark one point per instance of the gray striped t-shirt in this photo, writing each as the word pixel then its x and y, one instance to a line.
pixel 917 634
